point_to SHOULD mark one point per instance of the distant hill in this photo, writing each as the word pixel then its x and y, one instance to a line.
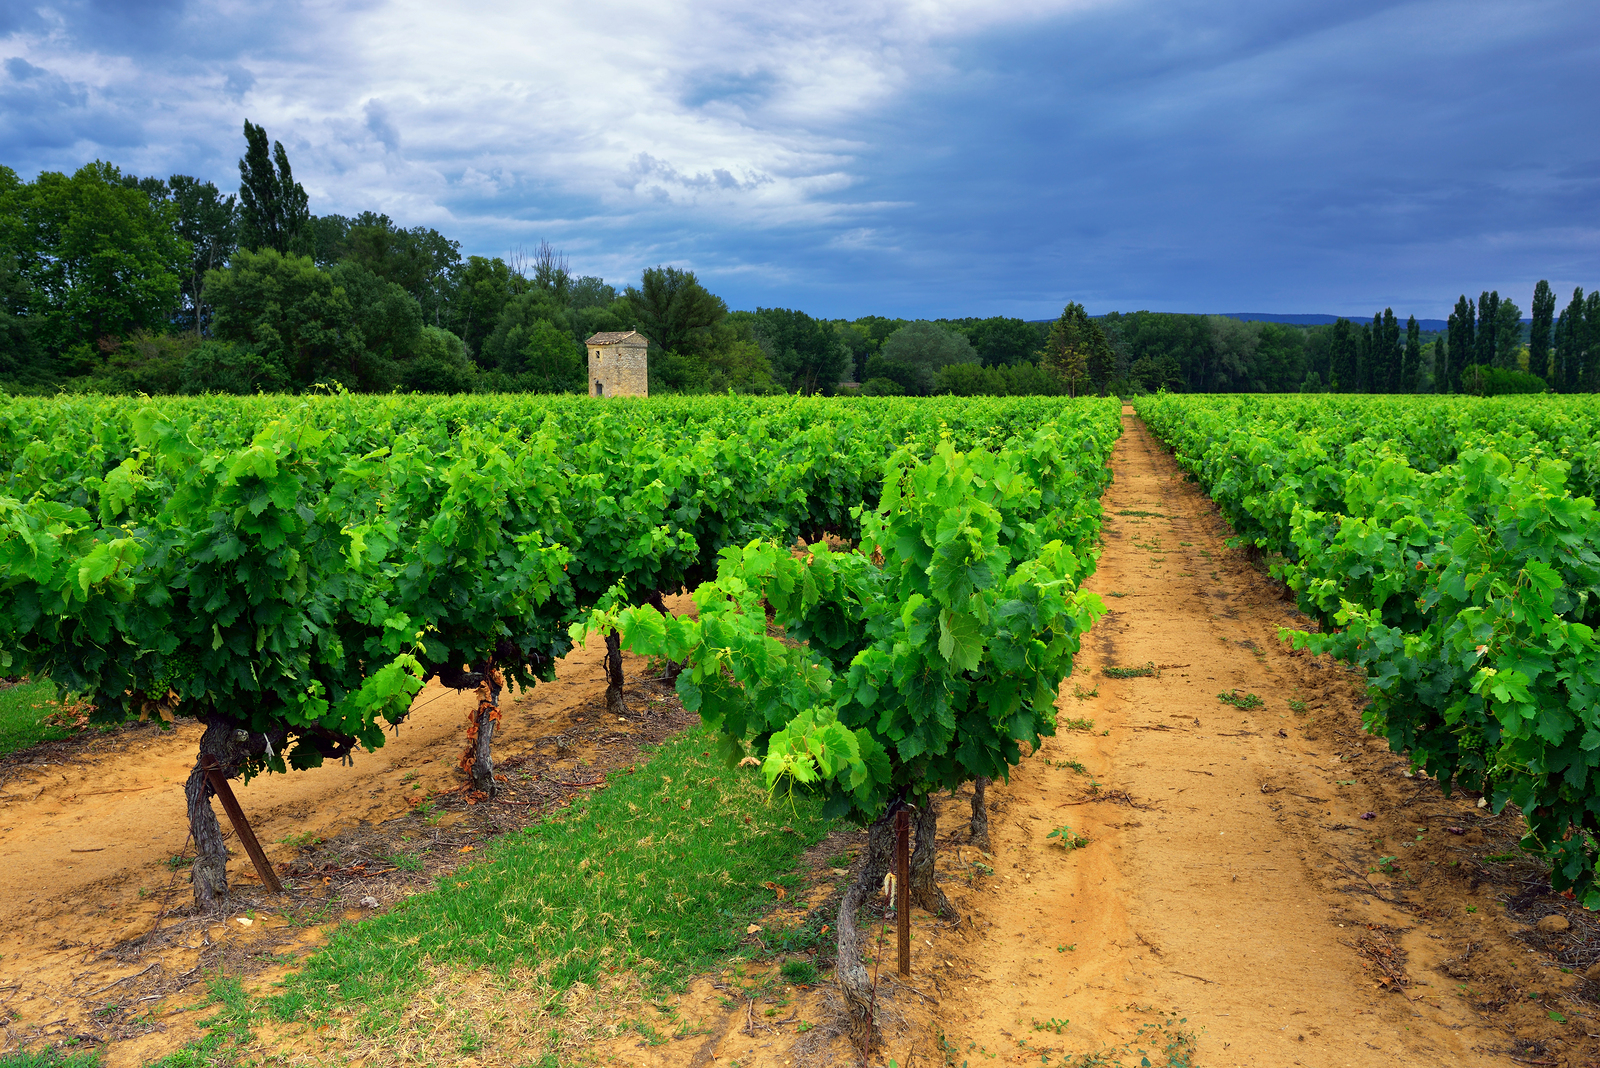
pixel 1429 326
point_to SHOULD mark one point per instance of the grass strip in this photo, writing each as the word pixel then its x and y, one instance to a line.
pixel 659 875
pixel 23 709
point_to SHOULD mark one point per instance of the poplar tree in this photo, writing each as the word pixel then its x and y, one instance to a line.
pixel 1507 332
pixel 1488 311
pixel 1544 310
pixel 1462 342
pixel 274 211
pixel 1569 331
pixel 1411 362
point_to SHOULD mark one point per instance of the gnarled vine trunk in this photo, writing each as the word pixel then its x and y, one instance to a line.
pixel 230 745
pixel 980 815
pixel 485 717
pixel 854 982
pixel 614 704
pixel 925 892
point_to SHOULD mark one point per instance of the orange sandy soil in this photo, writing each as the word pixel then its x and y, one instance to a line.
pixel 1232 906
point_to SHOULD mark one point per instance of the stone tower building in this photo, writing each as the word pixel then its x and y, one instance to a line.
pixel 618 366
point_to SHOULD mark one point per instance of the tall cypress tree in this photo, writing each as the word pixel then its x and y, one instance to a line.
pixel 1488 310
pixel 1567 365
pixel 274 211
pixel 1364 358
pixel 1462 342
pixel 1411 362
pixel 1544 310
pixel 1342 357
pixel 1589 333
pixel 1441 364
pixel 1507 335
pixel 1390 354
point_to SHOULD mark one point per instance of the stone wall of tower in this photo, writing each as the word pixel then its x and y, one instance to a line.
pixel 622 369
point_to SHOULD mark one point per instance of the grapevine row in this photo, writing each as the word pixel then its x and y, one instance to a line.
pixel 920 661
pixel 290 573
pixel 1449 547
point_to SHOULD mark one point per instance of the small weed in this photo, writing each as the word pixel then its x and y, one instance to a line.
pixel 1297 707
pixel 1067 839
pixel 405 861
pixel 1114 593
pixel 802 1027
pixel 840 860
pixel 799 971
pixel 1344 782
pixel 1083 695
pixel 1145 672
pixel 177 861
pixel 1141 515
pixel 1472 908
pixel 1077 724
pixel 1244 701
pixel 1052 1024
pixel 1073 765
pixel 300 841
pixel 1385 865
pixel 1066 948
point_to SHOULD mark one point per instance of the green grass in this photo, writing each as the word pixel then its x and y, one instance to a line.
pixel 22 712
pixel 659 875
pixel 1145 672
pixel 1242 701
pixel 50 1058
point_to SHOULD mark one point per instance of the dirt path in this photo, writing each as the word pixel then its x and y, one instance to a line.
pixel 1228 880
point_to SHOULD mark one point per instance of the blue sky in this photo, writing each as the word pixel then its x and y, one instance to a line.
pixel 921 158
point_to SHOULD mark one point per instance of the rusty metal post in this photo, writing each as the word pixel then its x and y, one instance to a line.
pixel 241 826
pixel 902 884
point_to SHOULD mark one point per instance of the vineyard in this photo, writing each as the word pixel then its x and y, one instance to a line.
pixel 292 574
pixel 871 606
pixel 1449 548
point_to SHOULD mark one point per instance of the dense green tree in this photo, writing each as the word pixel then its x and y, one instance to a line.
pixel 440 364
pixel 1000 341
pixel 274 211
pixel 207 220
pixel 532 348
pixel 1440 380
pixel 591 292
pixel 1077 351
pixel 913 355
pixel 805 355
pixel 1544 313
pixel 482 288
pixel 302 325
pixel 98 258
pixel 670 304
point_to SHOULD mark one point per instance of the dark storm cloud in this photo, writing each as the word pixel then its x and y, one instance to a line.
pixel 945 158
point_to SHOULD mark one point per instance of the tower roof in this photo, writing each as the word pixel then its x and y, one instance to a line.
pixel 615 337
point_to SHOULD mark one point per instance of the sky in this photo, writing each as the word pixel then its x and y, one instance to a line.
pixel 926 158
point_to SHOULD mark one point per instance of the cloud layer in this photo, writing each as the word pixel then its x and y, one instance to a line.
pixel 914 158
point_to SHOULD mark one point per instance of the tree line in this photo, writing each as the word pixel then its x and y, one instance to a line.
pixel 118 283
